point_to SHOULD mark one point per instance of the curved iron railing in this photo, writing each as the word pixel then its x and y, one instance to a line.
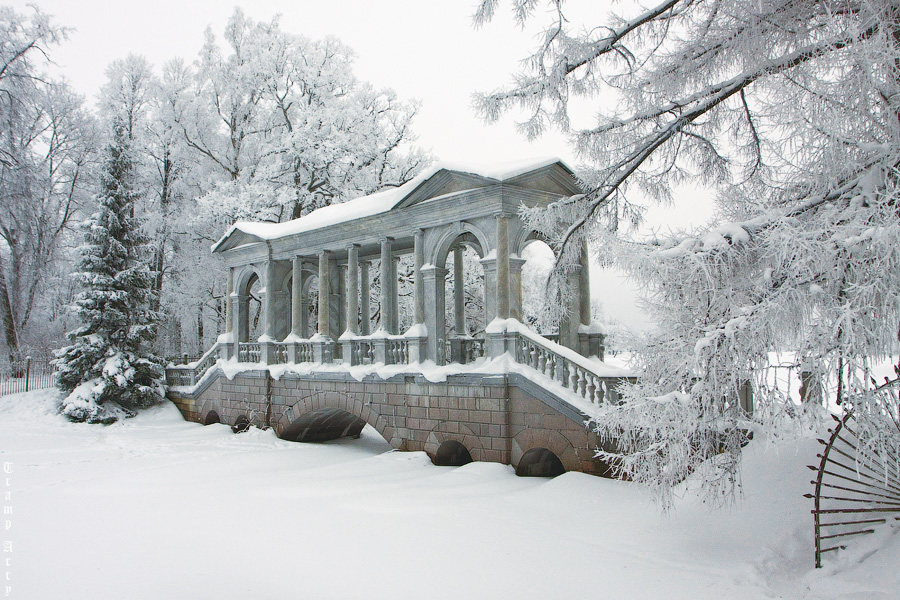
pixel 857 483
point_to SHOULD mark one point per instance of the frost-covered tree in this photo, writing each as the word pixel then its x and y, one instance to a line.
pixel 268 126
pixel 108 370
pixel 286 126
pixel 791 110
pixel 46 155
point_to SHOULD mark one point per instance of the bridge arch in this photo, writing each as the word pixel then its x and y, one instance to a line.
pixel 322 416
pixel 211 418
pixel 539 462
pixel 452 454
pixel 548 439
pixel 446 431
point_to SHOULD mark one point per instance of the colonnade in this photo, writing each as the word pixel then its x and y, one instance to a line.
pixel 344 295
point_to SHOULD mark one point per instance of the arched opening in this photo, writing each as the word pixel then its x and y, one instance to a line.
pixel 251 311
pixel 539 462
pixel 465 314
pixel 452 454
pixel 323 424
pixel 211 417
pixel 241 424
pixel 538 311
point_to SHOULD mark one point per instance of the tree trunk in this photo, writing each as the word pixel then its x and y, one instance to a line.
pixel 200 328
pixel 6 314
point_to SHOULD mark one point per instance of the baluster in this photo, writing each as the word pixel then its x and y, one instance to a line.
pixel 562 371
pixel 542 362
pixel 582 382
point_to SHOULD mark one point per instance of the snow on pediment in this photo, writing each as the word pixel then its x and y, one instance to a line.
pixel 547 174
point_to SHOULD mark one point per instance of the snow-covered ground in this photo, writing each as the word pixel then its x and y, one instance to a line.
pixel 157 508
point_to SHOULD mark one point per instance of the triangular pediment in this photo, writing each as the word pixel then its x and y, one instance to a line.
pixel 234 238
pixel 442 183
pixel 555 178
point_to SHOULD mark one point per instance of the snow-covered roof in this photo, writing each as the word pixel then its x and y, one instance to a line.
pixel 379 202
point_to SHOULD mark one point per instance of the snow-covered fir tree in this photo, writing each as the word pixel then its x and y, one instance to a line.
pixel 108 370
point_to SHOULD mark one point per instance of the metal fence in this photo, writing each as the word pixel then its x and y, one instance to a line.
pixel 26 375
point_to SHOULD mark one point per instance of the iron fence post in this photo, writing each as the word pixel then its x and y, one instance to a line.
pixel 27 371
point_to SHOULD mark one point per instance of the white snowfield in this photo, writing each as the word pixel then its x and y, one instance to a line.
pixel 157 508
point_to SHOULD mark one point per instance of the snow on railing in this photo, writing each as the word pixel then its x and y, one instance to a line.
pixel 398 350
pixel 249 352
pixel 189 374
pixel 363 351
pixel 569 373
pixel 464 349
pixel 587 378
pixel 304 351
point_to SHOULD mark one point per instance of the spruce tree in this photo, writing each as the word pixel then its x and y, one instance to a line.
pixel 108 370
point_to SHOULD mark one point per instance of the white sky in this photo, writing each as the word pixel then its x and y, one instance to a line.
pixel 423 49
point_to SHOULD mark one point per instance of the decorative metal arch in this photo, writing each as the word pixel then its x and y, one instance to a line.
pixel 858 482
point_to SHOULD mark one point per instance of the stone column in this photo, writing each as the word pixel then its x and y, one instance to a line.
pixel 229 302
pixel 230 348
pixel 419 251
pixel 459 292
pixel 515 287
pixel 571 317
pixel 242 317
pixel 297 297
pixel 387 296
pixel 324 293
pixel 457 351
pixel 352 288
pixel 269 300
pixel 267 339
pixel 304 308
pixel 322 347
pixel 590 337
pixel 489 265
pixel 418 349
pixel 433 279
pixel 503 267
pixel 584 286
pixel 365 322
pixel 297 307
pixel 340 326
pixel 395 294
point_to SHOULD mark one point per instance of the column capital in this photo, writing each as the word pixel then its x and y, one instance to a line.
pixel 433 271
